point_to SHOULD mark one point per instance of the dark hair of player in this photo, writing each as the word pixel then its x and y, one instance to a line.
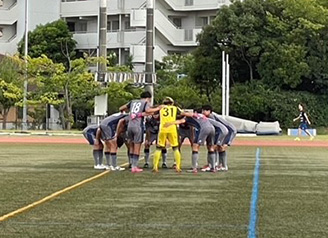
pixel 198 110
pixel 303 106
pixel 168 101
pixel 145 95
pixel 207 108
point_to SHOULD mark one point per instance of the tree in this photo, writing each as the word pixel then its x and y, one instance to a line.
pixel 11 91
pixel 238 31
pixel 63 89
pixel 269 39
pixel 205 70
pixel 174 80
pixel 317 59
pixel 121 93
pixel 291 27
pixel 53 40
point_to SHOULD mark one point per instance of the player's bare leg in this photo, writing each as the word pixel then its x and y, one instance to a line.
pixel 113 155
pixel 298 138
pixel 146 152
pixel 194 158
pixel 135 160
pixel 98 154
pixel 157 156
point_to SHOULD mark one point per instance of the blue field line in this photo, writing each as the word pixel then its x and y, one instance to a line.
pixel 253 211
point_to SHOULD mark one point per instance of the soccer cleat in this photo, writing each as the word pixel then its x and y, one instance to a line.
pixel 107 167
pixel 219 168
pixel 206 168
pixel 297 139
pixel 164 166
pixel 118 168
pixel 136 170
pixel 174 166
pixel 99 166
pixel 155 170
pixel 146 166
pixel 178 170
pixel 212 170
pixel 194 171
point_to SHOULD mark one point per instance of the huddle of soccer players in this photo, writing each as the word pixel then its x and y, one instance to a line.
pixel 199 127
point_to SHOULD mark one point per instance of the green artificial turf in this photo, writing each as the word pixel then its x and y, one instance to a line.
pixel 292 195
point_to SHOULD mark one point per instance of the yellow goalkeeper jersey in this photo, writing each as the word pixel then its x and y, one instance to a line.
pixel 168 114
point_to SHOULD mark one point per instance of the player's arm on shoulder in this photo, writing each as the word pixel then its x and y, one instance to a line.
pixel 98 136
pixel 120 127
pixel 124 107
pixel 187 114
pixel 177 122
pixel 153 109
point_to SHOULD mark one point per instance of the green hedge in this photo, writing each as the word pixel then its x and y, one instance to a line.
pixel 255 101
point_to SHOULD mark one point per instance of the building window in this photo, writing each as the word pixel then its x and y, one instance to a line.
pixel 71 26
pixel 1 3
pixel 127 25
pixel 201 21
pixel 212 18
pixel 115 25
pixel 189 35
pixel 177 22
pixel 189 2
pixel 204 21
pixel 81 27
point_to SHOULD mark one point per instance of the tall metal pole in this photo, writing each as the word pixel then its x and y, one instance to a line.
pixel 223 84
pixel 101 102
pixel 102 39
pixel 24 125
pixel 228 86
pixel 150 46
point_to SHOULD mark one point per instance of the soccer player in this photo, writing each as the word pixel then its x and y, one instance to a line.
pixel 168 114
pixel 304 123
pixel 152 128
pixel 92 134
pixel 221 133
pixel 205 133
pixel 136 126
pixel 222 163
pixel 108 128
pixel 185 131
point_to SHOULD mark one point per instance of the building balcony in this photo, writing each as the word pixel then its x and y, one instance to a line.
pixel 77 8
pixel 196 5
pixel 9 14
pixel 119 39
pixel 175 35
pixel 139 53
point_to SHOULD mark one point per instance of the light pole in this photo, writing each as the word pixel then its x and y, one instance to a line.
pixel 25 74
pixel 150 47
pixel 101 102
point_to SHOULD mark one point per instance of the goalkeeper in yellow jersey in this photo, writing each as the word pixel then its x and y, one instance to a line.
pixel 168 114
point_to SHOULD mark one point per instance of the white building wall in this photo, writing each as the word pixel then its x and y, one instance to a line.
pixel 40 12
pixel 129 36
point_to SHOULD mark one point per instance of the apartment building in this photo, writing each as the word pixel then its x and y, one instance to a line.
pixel 177 22
pixel 12 20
